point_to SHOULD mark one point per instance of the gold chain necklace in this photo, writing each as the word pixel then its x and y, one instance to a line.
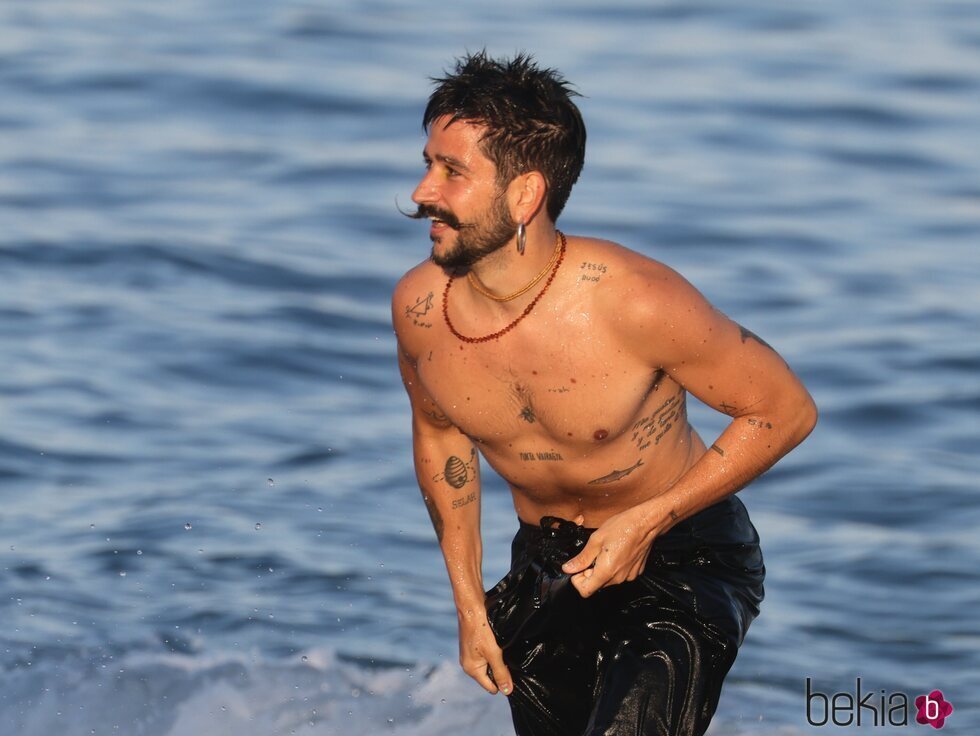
pixel 478 285
pixel 522 315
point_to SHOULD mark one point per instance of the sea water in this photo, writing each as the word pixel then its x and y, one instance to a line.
pixel 209 518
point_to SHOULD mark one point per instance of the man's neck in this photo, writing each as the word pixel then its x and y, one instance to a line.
pixel 506 271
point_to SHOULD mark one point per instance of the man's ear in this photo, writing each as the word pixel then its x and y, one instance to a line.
pixel 527 193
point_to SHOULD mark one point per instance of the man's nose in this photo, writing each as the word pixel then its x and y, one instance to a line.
pixel 426 191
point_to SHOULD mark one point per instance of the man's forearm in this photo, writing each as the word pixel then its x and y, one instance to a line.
pixel 748 447
pixel 448 473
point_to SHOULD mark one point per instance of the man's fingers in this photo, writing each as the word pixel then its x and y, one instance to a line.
pixel 635 571
pixel 501 675
pixel 583 559
pixel 479 673
pixel 491 672
pixel 583 584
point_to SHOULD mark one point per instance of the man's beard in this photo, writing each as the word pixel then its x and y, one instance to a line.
pixel 474 241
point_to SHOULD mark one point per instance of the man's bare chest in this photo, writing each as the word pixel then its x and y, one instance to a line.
pixel 557 391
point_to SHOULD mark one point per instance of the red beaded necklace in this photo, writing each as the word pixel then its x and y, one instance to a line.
pixel 522 315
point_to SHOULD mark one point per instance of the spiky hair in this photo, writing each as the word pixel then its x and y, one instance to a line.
pixel 532 123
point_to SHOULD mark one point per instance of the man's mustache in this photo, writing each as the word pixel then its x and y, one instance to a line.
pixel 425 211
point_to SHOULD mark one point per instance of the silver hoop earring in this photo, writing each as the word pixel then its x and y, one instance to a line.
pixel 521 237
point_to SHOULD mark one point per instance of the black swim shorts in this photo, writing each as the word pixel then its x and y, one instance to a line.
pixel 643 657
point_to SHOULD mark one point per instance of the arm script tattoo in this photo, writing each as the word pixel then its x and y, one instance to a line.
pixel 462 501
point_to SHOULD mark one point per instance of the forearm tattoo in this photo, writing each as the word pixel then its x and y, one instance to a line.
pixel 434 515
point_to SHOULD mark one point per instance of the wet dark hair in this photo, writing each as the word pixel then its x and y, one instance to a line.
pixel 532 123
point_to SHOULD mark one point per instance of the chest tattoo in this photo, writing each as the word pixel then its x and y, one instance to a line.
pixel 523 396
pixel 616 474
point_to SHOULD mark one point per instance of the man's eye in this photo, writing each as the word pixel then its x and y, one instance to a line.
pixel 450 171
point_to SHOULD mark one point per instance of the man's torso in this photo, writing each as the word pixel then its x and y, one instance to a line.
pixel 562 407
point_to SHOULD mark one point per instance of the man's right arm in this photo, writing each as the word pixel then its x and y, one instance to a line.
pixel 447 468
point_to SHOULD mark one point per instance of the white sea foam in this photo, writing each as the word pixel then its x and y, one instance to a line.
pixel 242 695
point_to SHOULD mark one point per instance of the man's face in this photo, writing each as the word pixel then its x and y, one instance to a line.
pixel 459 192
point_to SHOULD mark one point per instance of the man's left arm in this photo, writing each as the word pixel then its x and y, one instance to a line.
pixel 728 368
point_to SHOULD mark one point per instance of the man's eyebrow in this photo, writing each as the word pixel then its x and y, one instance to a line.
pixel 448 160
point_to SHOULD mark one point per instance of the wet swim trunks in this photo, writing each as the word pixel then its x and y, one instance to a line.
pixel 643 657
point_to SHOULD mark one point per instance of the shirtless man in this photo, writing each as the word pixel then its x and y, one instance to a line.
pixel 564 362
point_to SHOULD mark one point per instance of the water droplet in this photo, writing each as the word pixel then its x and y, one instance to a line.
pixel 271 482
pixel 139 551
pixel 122 573
pixel 305 658
pixel 258 526
pixel 91 526
pixel 188 526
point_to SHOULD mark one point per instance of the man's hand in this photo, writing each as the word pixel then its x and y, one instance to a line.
pixel 479 655
pixel 616 552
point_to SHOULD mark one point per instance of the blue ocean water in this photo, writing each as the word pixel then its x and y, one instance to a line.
pixel 208 511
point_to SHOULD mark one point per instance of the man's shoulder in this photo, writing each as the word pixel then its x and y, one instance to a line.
pixel 630 275
pixel 425 274
pixel 413 301
pixel 637 295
